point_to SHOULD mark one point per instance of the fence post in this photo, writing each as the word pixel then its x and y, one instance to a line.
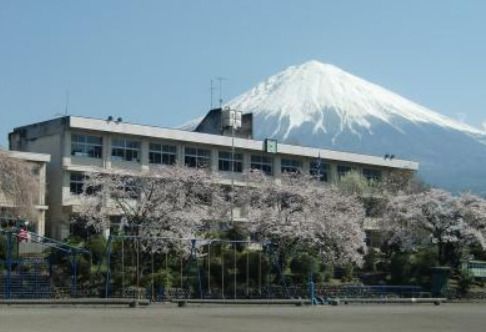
pixel 194 260
pixel 8 285
pixel 108 271
pixel 209 270
pixel 74 273
pixel 312 290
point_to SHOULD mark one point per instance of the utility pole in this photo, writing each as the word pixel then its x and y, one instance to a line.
pixel 233 120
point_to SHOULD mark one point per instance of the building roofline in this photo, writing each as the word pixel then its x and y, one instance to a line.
pixel 126 128
pixel 29 156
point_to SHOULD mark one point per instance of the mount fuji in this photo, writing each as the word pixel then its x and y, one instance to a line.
pixel 320 105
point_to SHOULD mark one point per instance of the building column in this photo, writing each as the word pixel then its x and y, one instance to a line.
pixel 107 151
pixel 277 168
pixel 306 167
pixel 333 175
pixel 214 161
pixel 180 155
pixel 66 156
pixel 144 155
pixel 246 162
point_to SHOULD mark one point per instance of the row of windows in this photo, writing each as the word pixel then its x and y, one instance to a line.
pixel 77 183
pixel 164 154
pixel 317 169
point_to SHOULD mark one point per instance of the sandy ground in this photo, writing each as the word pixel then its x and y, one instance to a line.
pixel 362 318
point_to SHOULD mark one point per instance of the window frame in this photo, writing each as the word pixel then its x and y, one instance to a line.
pixel 77 184
pixel 91 190
pixel 201 160
pixel 262 165
pixel 162 153
pixel 290 169
pixel 126 150
pixel 366 172
pixel 85 145
pixel 342 173
pixel 319 169
pixel 233 161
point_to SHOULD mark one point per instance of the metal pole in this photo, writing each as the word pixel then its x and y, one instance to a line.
pixel 182 285
pixel 247 272
pixel 108 272
pixel 234 271
pixel 8 288
pixel 209 268
pixel 74 273
pixel 260 273
pixel 222 272
pixel 166 272
pixel 123 266
pixel 138 265
pixel 153 284
pixel 232 170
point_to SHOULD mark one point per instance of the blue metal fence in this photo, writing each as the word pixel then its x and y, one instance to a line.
pixel 40 273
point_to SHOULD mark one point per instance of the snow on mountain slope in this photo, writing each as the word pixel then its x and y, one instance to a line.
pixel 191 124
pixel 304 93
pixel 320 105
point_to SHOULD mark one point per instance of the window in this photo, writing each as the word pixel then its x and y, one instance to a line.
pixel 290 166
pixel 131 186
pixel 262 163
pixel 372 174
pixel 125 149
pixel 162 154
pixel 86 146
pixel 196 157
pixel 76 183
pixel 225 162
pixel 319 170
pixel 343 170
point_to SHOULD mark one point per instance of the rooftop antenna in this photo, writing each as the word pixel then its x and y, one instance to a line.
pixel 220 80
pixel 66 110
pixel 211 90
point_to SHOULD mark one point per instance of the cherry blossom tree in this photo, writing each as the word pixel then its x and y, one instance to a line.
pixel 19 186
pixel 434 217
pixel 163 206
pixel 473 211
pixel 300 211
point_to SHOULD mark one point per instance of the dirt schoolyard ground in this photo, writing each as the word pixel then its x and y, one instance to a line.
pixel 362 318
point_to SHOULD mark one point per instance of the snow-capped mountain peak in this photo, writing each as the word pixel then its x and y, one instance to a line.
pixel 320 105
pixel 315 92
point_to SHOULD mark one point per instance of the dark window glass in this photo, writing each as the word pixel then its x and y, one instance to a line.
pixel 196 157
pixel 343 170
pixel 290 166
pixel 124 149
pixel 86 146
pixel 372 174
pixel 262 163
pixel 225 162
pixel 319 169
pixel 162 154
pixel 76 183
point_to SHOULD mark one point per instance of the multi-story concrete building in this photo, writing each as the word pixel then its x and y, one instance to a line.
pixel 37 162
pixel 79 145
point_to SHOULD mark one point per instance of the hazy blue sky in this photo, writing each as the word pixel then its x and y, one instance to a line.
pixel 151 61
